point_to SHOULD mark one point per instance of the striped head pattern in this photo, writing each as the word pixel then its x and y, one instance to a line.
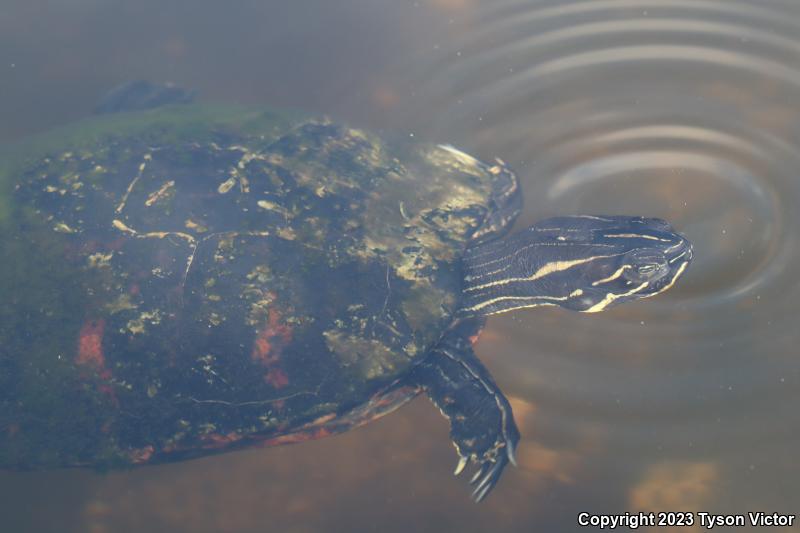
pixel 583 263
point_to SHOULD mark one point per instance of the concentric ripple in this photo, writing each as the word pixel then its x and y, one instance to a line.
pixel 681 109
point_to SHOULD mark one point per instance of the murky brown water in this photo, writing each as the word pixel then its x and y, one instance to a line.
pixel 681 109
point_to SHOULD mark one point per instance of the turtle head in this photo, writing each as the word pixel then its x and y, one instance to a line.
pixel 583 263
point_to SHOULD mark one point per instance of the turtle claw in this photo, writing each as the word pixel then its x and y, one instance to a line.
pixel 487 475
pixel 511 452
pixel 462 462
pixel 486 478
pixel 490 460
pixel 478 474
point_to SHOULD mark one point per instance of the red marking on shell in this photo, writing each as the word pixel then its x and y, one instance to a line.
pixel 216 440
pixel 12 429
pixel 483 335
pixel 133 290
pixel 90 347
pixel 277 378
pixel 299 436
pixel 268 346
pixel 324 418
pixel 90 354
pixel 141 455
pixel 209 441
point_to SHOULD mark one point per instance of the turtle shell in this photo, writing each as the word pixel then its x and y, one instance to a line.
pixel 193 279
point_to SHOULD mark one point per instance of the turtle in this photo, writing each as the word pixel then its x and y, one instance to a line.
pixel 195 278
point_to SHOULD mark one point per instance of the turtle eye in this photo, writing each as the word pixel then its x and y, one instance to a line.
pixel 645 265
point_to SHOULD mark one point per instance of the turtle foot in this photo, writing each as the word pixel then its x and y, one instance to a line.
pixel 482 425
pixel 491 462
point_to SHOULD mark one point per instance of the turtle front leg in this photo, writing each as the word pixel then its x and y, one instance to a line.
pixel 481 422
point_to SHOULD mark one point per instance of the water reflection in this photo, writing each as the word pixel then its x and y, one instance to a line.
pixel 685 110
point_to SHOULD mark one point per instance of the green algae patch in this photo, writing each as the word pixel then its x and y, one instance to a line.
pixel 165 125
